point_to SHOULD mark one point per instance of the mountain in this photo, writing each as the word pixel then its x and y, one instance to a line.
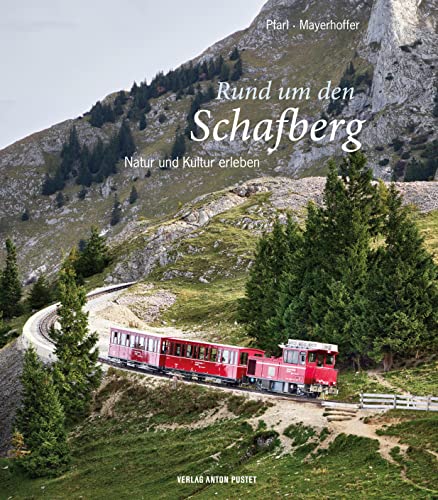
pixel 390 60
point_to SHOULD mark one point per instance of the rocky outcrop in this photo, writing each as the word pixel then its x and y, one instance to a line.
pixel 159 246
pixel 396 42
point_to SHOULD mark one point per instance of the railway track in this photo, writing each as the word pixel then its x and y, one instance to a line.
pixel 45 324
pixel 49 320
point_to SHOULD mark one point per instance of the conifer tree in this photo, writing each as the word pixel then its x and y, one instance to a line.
pixel 237 71
pixel 224 74
pixel 84 177
pixel 41 421
pixel 179 146
pixel 133 195
pixel 402 312
pixel 10 286
pixel 234 54
pixel 126 146
pixel 328 301
pixel 274 256
pixel 93 258
pixel 40 294
pixel 116 213
pixel 142 123
pixel 4 330
pixel 60 200
pixel 75 373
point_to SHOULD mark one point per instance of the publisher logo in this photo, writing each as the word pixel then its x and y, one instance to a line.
pixel 216 479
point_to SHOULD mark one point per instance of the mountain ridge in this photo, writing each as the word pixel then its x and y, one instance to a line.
pixel 397 104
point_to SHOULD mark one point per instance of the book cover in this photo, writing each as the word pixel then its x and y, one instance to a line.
pixel 218 249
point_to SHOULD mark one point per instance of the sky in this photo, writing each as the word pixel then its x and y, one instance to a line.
pixel 58 57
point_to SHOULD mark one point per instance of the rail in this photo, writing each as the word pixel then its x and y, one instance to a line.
pixel 398 402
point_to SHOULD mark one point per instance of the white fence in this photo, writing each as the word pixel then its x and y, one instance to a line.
pixel 398 402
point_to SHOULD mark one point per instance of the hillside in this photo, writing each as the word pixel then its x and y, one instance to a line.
pixel 389 60
pixel 142 431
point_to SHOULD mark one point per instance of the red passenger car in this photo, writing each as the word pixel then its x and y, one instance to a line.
pixel 306 368
pixel 226 363
pixel 136 348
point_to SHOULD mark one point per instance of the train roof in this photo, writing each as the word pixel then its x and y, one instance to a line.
pixel 309 345
pixel 136 330
pixel 214 343
pixel 166 337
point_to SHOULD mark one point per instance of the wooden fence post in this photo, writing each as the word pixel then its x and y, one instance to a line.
pixel 395 402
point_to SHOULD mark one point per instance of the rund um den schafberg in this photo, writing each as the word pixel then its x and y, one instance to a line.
pixel 228 128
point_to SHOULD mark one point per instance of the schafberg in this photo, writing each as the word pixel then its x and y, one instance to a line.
pixel 263 129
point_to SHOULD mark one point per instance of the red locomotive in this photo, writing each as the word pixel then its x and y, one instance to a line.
pixel 305 368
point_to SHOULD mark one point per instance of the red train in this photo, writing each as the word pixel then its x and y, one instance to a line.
pixel 305 368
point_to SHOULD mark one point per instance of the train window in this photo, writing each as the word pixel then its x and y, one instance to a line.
pixel 164 347
pixel 225 356
pixel 302 358
pixel 128 340
pixel 178 350
pixel 156 344
pixel 233 357
pixel 132 341
pixel 141 342
pixel 312 357
pixel 320 359
pixel 213 354
pixel 189 351
pixel 201 353
pixel 123 339
pixel 329 359
pixel 207 353
pixel 115 338
pixel 290 357
pixel 243 358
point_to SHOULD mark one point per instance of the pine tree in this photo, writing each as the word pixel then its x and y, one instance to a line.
pixel 41 421
pixel 234 54
pixel 179 146
pixel 275 255
pixel 224 74
pixel 116 213
pixel 76 374
pixel 93 258
pixel 40 294
pixel 10 286
pixel 4 331
pixel 142 123
pixel 60 200
pixel 133 195
pixel 126 145
pixel 84 175
pixel 402 311
pixel 237 71
pixel 329 303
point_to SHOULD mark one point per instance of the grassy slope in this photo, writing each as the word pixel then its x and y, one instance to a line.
pixel 139 440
